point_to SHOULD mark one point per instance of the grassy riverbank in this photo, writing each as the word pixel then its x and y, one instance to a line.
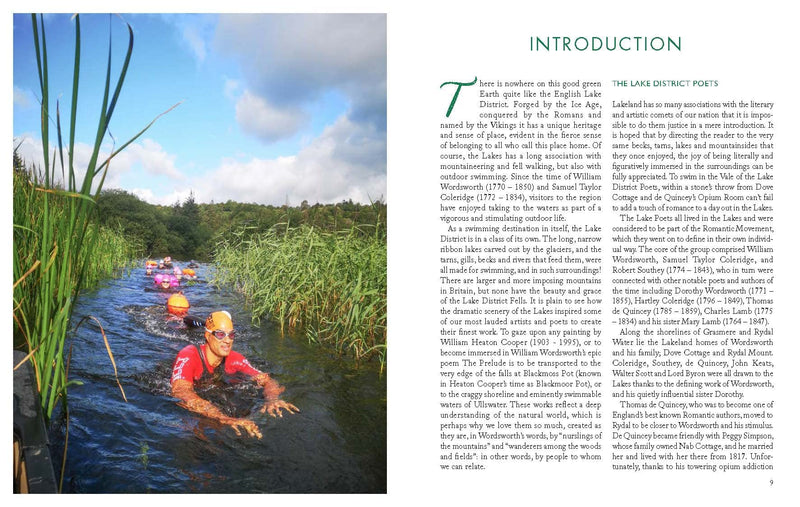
pixel 331 286
pixel 57 251
pixel 58 246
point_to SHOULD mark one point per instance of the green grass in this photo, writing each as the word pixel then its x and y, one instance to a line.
pixel 58 249
pixel 331 286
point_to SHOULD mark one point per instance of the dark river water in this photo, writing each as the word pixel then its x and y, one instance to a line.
pixel 336 444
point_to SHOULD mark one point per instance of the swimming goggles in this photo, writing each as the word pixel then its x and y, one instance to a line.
pixel 221 335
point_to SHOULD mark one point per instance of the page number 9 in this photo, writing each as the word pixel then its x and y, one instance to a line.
pixel 770 482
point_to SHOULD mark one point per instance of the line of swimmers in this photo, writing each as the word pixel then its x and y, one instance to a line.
pixel 168 281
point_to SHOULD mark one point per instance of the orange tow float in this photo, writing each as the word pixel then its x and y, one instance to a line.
pixel 177 304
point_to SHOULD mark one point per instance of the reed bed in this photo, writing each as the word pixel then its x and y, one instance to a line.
pixel 112 251
pixel 331 286
pixel 58 248
pixel 112 255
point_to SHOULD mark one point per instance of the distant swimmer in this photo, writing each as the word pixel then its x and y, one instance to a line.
pixel 211 363
pixel 166 282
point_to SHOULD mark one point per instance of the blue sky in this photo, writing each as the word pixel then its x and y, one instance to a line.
pixel 272 108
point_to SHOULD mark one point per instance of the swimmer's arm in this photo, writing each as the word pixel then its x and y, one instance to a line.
pixel 184 391
pixel 192 321
pixel 272 392
pixel 272 389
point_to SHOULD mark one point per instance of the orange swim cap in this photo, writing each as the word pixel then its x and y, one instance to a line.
pixel 219 320
pixel 177 304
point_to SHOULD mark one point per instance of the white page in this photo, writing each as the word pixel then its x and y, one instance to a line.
pixel 744 47
pixel 748 47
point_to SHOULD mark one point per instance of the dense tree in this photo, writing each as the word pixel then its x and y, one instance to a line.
pixel 188 230
pixel 185 222
pixel 136 219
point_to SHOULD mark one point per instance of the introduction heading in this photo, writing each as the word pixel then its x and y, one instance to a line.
pixel 605 43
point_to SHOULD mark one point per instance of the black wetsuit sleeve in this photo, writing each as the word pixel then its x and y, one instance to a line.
pixel 192 321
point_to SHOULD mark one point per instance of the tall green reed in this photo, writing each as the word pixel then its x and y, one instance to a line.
pixel 55 237
pixel 329 285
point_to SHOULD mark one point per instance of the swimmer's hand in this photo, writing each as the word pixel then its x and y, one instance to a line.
pixel 249 426
pixel 274 407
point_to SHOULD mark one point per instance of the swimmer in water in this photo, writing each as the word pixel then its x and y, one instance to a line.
pixel 166 282
pixel 213 360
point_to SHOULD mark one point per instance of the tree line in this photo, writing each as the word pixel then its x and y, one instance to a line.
pixel 190 230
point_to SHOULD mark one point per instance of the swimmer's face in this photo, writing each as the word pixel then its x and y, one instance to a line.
pixel 165 284
pixel 221 347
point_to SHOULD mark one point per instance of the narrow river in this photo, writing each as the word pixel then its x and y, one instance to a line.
pixel 336 444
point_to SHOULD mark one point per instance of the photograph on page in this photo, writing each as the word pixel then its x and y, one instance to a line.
pixel 200 253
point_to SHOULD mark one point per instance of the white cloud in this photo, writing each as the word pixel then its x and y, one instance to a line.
pixel 265 121
pixel 151 157
pixel 232 87
pixel 22 98
pixel 195 30
pixel 294 59
pixel 29 148
pixel 346 162
pixel 195 41
pixel 148 156
pixel 148 195
pixel 144 194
